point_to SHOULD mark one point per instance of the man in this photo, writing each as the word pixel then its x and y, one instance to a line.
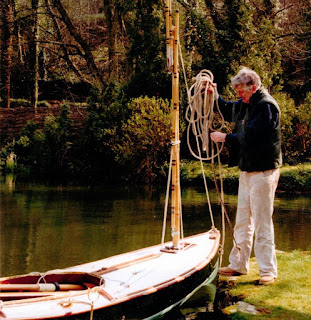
pixel 255 146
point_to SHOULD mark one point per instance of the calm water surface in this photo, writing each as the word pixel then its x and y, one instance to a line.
pixel 46 228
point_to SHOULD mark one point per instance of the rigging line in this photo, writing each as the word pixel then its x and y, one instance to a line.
pixel 167 197
pixel 201 162
pixel 204 83
pixel 201 120
pixel 195 128
pixel 224 213
pixel 139 274
pixel 221 197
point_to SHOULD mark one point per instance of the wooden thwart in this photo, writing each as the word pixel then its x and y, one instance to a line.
pixel 41 287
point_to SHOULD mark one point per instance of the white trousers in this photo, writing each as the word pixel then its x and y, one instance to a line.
pixel 254 216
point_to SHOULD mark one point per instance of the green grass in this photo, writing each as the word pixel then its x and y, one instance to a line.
pixel 288 298
pixel 296 178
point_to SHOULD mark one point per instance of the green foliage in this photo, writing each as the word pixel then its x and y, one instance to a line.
pixel 146 56
pixel 236 34
pixel 144 139
pixel 296 178
pixel 296 125
pixel 106 113
pixel 44 151
pixel 191 173
pixel 5 153
pixel 215 35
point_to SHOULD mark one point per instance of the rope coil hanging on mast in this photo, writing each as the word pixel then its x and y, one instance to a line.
pixel 202 100
pixel 200 115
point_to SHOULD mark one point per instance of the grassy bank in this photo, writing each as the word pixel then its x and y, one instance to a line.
pixel 288 298
pixel 292 178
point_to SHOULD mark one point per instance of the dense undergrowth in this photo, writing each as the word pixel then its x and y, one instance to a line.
pixel 129 142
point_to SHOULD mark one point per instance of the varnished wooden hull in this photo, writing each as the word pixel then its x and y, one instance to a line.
pixel 135 285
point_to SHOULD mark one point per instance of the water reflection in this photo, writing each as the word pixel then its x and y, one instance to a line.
pixel 45 228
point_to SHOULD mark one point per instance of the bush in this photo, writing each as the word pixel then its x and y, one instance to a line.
pixel 45 152
pixel 296 124
pixel 295 179
pixel 105 115
pixel 144 141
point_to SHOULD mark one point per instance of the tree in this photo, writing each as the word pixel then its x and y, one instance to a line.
pixel 6 10
pixel 60 38
pixel 34 53
pixel 145 56
pixel 87 52
pixel 294 39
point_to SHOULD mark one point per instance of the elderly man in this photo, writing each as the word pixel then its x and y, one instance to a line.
pixel 255 146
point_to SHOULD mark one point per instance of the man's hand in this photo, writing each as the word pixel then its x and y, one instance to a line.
pixel 218 136
pixel 209 87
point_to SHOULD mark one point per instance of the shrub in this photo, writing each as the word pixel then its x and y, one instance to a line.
pixel 45 151
pixel 144 141
pixel 296 123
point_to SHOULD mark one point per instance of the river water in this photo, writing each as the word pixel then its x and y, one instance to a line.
pixel 44 227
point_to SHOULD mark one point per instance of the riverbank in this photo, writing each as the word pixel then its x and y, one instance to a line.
pixel 293 179
pixel 288 298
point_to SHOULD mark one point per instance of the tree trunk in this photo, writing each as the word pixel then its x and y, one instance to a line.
pixel 88 56
pixel 6 10
pixel 66 56
pixel 17 35
pixel 34 54
pixel 110 15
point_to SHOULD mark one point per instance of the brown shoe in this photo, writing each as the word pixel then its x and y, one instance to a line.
pixel 266 280
pixel 226 271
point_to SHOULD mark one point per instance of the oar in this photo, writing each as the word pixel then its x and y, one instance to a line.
pixel 42 287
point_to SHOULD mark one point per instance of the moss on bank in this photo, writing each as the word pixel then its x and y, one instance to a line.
pixel 288 298
pixel 292 178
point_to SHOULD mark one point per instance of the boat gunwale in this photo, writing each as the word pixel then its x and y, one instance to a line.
pixel 130 296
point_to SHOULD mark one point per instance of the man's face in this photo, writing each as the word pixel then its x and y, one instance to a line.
pixel 245 92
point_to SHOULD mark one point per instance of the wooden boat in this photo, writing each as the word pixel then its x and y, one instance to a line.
pixel 142 284
pixel 135 285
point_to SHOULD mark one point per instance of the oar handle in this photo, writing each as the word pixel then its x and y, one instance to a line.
pixel 41 287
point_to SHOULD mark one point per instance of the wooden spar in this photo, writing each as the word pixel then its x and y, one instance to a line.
pixel 40 287
pixel 169 38
pixel 175 207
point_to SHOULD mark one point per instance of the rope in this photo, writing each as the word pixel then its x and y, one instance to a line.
pixel 200 115
pixel 167 198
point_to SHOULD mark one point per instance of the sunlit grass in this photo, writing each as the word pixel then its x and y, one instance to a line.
pixel 297 178
pixel 288 298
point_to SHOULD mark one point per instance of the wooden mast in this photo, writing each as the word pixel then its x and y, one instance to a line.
pixel 172 43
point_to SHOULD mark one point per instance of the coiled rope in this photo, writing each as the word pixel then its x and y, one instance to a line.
pixel 201 116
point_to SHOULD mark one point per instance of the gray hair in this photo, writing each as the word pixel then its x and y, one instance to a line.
pixel 246 77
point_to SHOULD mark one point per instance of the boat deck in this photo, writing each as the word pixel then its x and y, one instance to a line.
pixel 121 278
